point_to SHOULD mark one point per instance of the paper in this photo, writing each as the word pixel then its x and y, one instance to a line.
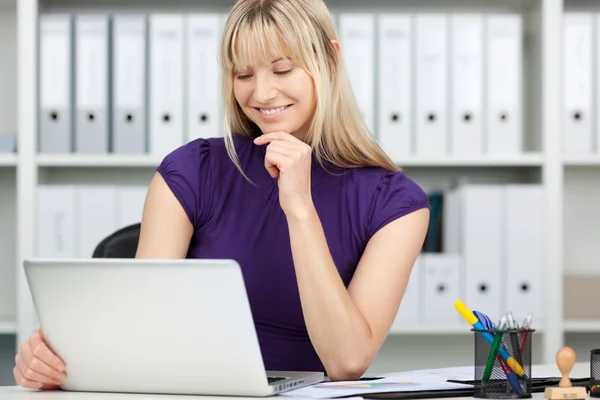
pixel 465 373
pixel 328 390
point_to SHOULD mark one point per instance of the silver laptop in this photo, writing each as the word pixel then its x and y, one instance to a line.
pixel 154 326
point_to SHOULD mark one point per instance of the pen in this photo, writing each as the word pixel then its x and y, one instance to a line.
pixel 473 321
pixel 527 326
pixel 514 337
pixel 495 346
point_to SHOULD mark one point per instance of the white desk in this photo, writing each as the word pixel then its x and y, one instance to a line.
pixel 17 393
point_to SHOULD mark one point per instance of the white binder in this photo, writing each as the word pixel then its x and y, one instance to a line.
pixel 481 226
pixel 411 305
pixel 56 234
pixel 166 83
pixel 441 288
pixel 395 53
pixel 466 64
pixel 203 32
pixel 92 83
pixel 56 83
pixel 524 214
pixel 129 82
pixel 96 216
pixel 504 84
pixel 431 68
pixel 578 81
pixel 129 205
pixel 357 36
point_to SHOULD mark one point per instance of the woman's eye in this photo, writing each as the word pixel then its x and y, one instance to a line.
pixel 283 72
pixel 244 77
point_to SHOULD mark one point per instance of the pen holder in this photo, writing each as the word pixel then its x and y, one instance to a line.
pixel 502 364
pixel 595 373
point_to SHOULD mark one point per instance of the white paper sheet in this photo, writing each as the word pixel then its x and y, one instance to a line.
pixel 327 390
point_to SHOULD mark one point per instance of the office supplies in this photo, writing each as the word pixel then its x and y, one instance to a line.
pixel 595 373
pixel 129 80
pixel 203 31
pixel 495 346
pixel 472 320
pixel 441 285
pixel 154 326
pixel 514 339
pixel 466 66
pixel 328 390
pixel 92 69
pixel 476 234
pixel 357 30
pixel 523 248
pixel 504 80
pixel 526 325
pixel 578 80
pixel 565 359
pixel 493 354
pixel 395 84
pixel 431 84
pixel 56 83
pixel 166 80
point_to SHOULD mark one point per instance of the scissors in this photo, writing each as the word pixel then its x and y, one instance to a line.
pixel 513 380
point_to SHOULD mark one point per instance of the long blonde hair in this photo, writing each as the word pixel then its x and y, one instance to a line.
pixel 337 133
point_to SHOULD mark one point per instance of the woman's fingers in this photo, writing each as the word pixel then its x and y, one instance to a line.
pixel 35 369
pixel 24 381
pixel 41 351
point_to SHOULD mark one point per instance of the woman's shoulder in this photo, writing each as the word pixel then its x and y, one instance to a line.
pixel 388 195
pixel 207 153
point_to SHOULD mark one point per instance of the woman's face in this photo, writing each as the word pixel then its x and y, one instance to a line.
pixel 279 96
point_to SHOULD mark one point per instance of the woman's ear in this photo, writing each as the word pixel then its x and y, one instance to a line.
pixel 336 44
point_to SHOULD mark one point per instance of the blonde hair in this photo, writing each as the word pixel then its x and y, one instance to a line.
pixel 337 133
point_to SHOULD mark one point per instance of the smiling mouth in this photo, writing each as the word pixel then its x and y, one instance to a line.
pixel 272 111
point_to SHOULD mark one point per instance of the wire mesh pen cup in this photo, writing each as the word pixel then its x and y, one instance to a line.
pixel 595 373
pixel 502 363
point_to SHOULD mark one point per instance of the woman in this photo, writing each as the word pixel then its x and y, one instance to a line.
pixel 324 226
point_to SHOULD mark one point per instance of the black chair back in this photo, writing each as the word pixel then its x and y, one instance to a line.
pixel 120 244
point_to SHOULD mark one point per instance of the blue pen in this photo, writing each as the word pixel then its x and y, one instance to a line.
pixel 473 321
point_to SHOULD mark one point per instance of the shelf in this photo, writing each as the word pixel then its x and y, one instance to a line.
pixel 522 160
pixel 8 327
pixel 97 160
pixel 582 326
pixel 583 160
pixel 8 160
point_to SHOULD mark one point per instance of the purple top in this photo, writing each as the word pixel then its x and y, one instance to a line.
pixel 234 219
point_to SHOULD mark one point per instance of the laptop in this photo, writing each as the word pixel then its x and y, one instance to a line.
pixel 154 326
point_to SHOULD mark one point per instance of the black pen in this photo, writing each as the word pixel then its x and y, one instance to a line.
pixel 514 338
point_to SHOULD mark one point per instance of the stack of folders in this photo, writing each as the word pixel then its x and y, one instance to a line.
pixel 432 84
pixel 427 84
pixel 492 256
pixel 581 104
pixel 71 220
pixel 128 83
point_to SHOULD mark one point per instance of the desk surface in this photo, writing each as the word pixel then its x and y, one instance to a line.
pixel 18 393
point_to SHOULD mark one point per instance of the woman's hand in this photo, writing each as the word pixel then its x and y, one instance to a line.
pixel 37 367
pixel 289 159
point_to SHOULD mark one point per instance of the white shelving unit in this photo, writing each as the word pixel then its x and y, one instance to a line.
pixel 8 163
pixel 564 179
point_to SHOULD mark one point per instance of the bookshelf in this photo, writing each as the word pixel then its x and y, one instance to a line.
pixel 8 163
pixel 541 163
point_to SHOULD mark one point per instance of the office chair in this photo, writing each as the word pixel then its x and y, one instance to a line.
pixel 120 244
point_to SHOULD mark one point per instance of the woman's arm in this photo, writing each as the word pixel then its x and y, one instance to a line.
pixel 166 229
pixel 347 327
